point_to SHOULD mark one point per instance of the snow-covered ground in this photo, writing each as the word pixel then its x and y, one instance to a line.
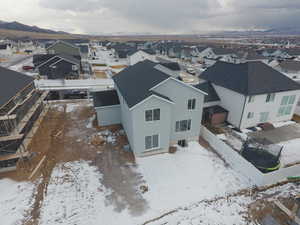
pixel 15 201
pixel 291 152
pixel 191 174
pixel 76 195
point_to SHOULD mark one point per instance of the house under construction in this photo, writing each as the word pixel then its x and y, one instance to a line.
pixel 20 106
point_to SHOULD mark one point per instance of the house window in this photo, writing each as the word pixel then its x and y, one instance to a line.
pixel 151 142
pixel 183 125
pixel 292 99
pixel 74 67
pixel 285 100
pixel 286 107
pixel 264 117
pixel 251 99
pixel 51 51
pixel 191 104
pixel 270 97
pixel 152 115
pixel 250 115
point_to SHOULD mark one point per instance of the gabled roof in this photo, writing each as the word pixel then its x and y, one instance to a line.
pixel 105 98
pixel 41 58
pixel 62 42
pixel 172 66
pixel 11 83
pixel 52 59
pixel 135 81
pixel 250 78
pixel 212 95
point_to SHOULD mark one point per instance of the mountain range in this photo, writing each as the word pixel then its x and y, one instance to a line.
pixel 22 27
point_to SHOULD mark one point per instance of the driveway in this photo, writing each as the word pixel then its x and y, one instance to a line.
pixel 277 135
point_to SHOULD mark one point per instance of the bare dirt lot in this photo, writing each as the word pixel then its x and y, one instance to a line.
pixel 69 133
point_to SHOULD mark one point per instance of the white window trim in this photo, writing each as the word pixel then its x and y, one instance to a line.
pixel 152 149
pixel 149 121
pixel 192 99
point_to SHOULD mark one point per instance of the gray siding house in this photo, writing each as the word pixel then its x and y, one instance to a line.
pixel 62 47
pixel 156 110
pixel 252 93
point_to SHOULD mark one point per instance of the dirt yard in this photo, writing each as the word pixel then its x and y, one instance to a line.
pixel 69 133
pixel 100 74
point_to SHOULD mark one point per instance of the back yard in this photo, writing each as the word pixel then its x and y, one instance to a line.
pixel 86 177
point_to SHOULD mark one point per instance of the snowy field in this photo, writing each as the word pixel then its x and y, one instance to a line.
pixel 15 201
pixel 76 195
pixel 191 174
pixel 291 152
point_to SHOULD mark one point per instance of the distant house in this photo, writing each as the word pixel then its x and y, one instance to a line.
pixel 293 52
pixel 57 66
pixel 64 48
pixel 170 68
pixel 252 93
pixel 5 50
pixel 289 67
pixel 84 51
pixel 156 110
pixel 203 52
pixel 140 55
pixel 226 55
pixel 251 55
pixel 20 106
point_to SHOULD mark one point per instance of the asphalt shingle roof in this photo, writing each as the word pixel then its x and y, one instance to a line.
pixel 212 95
pixel 135 81
pixel 11 83
pixel 250 78
pixel 105 98
pixel 172 66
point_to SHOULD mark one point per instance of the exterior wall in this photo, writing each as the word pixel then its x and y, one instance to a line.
pixel 140 56
pixel 126 119
pixel 63 69
pixel 260 105
pixel 233 102
pixel 108 115
pixel 143 128
pixel 62 48
pixel 179 94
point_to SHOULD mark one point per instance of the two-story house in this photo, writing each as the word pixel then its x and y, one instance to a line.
pixel 64 48
pixel 57 66
pixel 155 109
pixel 253 93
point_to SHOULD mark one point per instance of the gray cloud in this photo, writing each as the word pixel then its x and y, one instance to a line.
pixel 182 15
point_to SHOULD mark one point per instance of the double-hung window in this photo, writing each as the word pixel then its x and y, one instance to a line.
pixel 152 115
pixel 183 125
pixel 250 115
pixel 152 142
pixel 270 97
pixel 251 99
pixel 286 105
pixel 191 104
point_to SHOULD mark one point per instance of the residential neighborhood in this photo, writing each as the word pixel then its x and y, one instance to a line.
pixel 148 129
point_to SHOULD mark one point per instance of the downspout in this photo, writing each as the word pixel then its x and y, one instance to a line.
pixel 243 112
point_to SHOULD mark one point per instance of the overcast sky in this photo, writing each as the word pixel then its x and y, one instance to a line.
pixel 152 16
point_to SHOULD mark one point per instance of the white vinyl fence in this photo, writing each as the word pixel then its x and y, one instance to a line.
pixel 240 164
